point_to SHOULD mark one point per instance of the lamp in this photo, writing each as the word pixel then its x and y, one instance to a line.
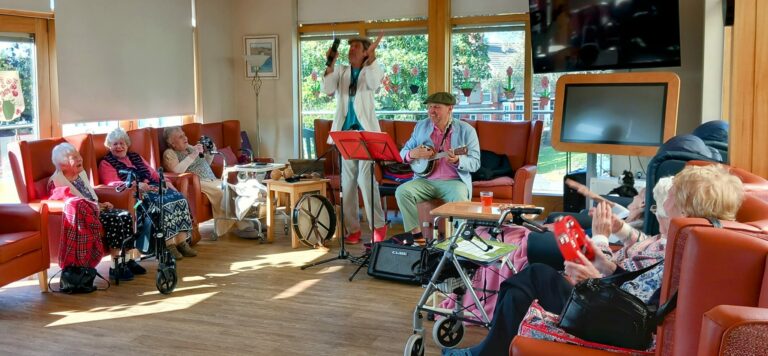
pixel 254 63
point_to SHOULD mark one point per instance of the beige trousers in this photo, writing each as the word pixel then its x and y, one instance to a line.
pixel 212 190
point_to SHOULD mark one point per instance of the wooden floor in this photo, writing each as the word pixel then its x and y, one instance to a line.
pixel 238 297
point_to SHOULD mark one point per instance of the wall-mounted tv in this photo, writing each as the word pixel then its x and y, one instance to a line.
pixel 582 35
pixel 618 113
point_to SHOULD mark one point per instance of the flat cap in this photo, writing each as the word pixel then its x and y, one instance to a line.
pixel 441 98
pixel 364 40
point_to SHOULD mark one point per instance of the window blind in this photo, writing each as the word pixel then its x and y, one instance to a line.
pixel 124 59
pixel 322 11
pixel 26 5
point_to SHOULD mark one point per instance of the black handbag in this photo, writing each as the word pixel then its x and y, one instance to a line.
pixel 77 280
pixel 599 311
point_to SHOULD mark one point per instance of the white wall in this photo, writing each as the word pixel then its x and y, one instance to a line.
pixel 277 99
pixel 216 58
pixel 712 86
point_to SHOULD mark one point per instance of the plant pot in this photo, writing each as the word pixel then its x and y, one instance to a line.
pixel 510 94
pixel 414 88
pixel 543 103
pixel 467 91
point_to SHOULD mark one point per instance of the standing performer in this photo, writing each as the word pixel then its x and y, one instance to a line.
pixel 356 84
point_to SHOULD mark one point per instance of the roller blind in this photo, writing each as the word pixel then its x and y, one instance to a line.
pixel 323 11
pixel 460 8
pixel 26 5
pixel 122 59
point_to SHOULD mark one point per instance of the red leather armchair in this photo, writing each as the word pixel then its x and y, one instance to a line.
pixel 224 134
pixel 24 243
pixel 754 184
pixel 709 267
pixel 31 165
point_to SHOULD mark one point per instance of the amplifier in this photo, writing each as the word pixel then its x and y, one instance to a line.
pixel 395 262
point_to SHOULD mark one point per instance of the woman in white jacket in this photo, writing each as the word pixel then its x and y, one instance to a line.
pixel 355 86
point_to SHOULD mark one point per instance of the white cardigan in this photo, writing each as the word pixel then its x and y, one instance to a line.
pixel 367 83
pixel 60 180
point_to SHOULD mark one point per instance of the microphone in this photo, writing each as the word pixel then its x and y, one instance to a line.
pixel 334 49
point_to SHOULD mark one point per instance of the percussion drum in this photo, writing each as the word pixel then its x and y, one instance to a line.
pixel 314 220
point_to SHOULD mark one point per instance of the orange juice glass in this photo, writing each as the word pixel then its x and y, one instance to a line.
pixel 486 198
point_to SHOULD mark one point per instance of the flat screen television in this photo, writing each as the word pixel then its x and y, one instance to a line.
pixel 617 113
pixel 583 35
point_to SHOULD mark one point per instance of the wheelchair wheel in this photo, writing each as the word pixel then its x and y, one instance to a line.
pixel 448 332
pixel 166 279
pixel 414 346
pixel 314 220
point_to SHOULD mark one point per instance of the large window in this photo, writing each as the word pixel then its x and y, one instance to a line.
pixel 19 101
pixel 403 56
pixel 488 71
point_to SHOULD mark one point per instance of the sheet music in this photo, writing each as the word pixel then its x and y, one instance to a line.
pixel 474 250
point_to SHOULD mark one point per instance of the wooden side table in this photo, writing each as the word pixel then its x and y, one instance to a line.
pixel 294 190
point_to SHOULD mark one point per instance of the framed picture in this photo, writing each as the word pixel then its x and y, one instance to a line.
pixel 261 56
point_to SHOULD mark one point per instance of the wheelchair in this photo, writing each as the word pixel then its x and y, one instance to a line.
pixel 454 274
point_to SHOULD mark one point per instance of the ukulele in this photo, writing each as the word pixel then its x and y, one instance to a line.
pixel 423 167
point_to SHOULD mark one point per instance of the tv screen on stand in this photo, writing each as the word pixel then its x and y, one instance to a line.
pixel 616 113
pixel 583 35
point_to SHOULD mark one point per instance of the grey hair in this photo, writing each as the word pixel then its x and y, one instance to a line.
pixel 168 131
pixel 117 134
pixel 60 154
pixel 661 194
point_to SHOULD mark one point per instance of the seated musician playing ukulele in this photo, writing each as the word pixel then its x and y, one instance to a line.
pixel 439 172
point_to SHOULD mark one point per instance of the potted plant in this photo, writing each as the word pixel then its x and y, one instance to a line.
pixel 414 75
pixel 544 93
pixel 509 90
pixel 467 85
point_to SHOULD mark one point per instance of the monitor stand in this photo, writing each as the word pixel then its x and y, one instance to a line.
pixel 591 173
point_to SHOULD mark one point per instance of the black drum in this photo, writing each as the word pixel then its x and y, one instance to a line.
pixel 314 220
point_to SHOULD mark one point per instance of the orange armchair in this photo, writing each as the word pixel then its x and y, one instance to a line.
pixel 224 134
pixel 31 165
pixel 708 267
pixel 24 243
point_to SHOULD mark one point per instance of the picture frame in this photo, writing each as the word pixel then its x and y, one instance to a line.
pixel 261 55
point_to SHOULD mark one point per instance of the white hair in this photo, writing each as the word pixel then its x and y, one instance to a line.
pixel 117 134
pixel 60 154
pixel 168 131
pixel 661 193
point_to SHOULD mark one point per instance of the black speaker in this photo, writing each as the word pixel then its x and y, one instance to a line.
pixel 573 202
pixel 395 262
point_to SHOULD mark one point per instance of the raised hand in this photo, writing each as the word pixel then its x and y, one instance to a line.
pixel 602 220
pixel 370 53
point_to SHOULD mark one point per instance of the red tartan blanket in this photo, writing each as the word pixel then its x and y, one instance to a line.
pixel 81 232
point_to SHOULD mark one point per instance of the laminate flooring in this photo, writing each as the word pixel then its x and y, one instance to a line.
pixel 238 297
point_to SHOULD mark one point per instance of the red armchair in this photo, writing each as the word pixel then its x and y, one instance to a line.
pixel 708 267
pixel 31 165
pixel 224 134
pixel 24 243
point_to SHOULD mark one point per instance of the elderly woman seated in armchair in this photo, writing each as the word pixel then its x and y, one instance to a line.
pixel 87 224
pixel 181 157
pixel 177 219
pixel 709 192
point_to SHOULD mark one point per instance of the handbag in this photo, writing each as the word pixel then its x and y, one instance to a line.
pixel 599 311
pixel 77 280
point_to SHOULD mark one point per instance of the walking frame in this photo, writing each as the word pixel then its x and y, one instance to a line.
pixel 448 331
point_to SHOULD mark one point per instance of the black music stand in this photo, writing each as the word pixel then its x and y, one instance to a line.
pixel 366 146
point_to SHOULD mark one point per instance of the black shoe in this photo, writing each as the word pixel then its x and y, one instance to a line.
pixel 136 268
pixel 125 274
